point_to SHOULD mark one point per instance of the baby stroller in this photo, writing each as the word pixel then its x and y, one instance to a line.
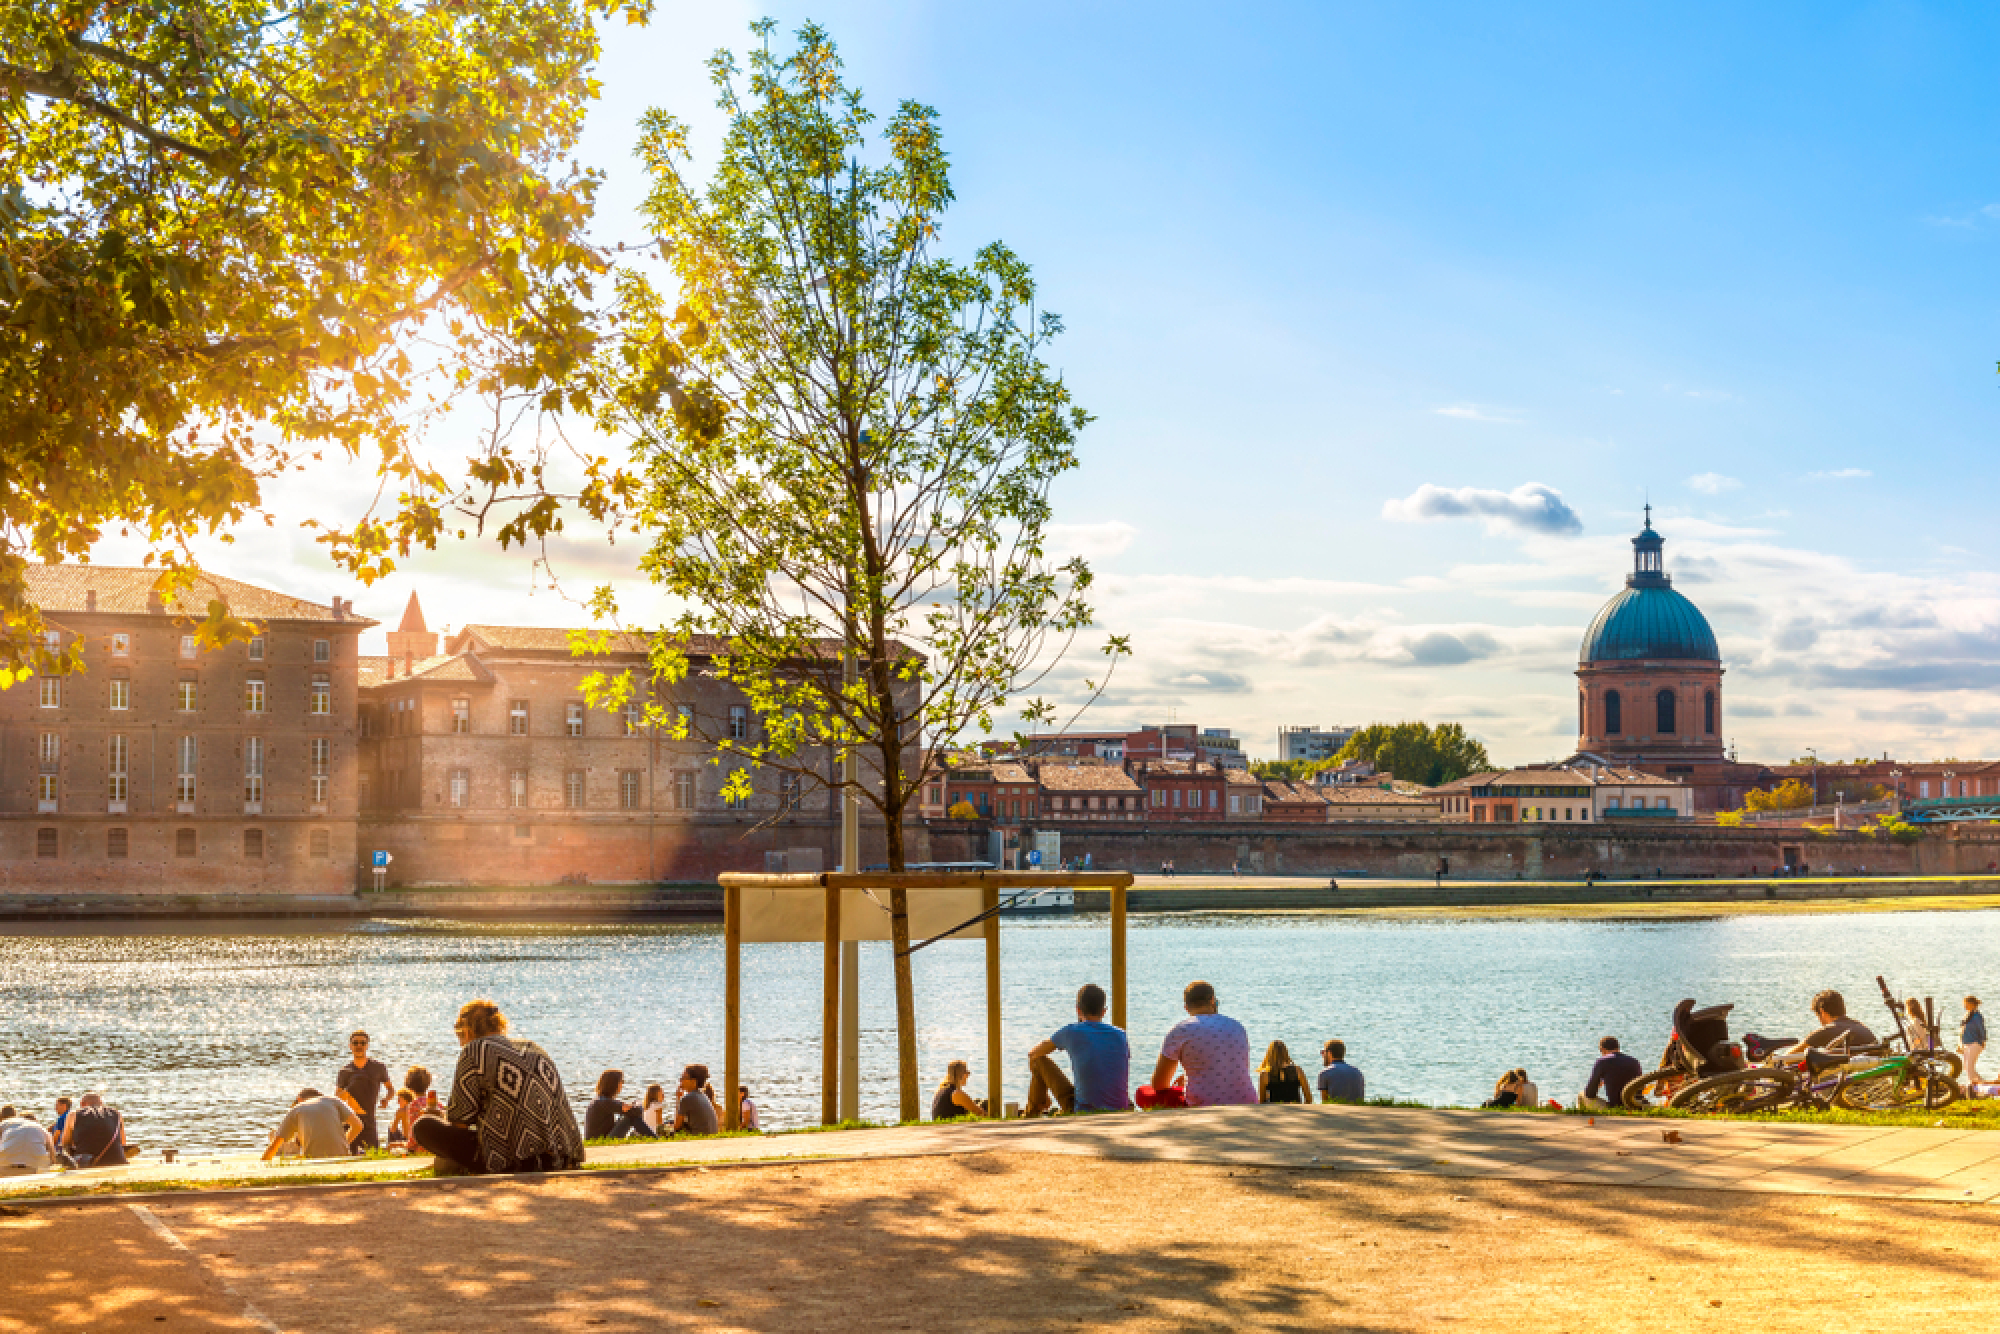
pixel 1699 1047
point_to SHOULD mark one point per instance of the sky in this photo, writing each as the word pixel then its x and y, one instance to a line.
pixel 1392 317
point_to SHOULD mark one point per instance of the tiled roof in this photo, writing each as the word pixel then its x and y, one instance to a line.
pixel 1633 777
pixel 1365 794
pixel 1539 778
pixel 548 639
pixel 1086 778
pixel 1281 791
pixel 378 671
pixel 1242 778
pixel 126 591
pixel 1011 773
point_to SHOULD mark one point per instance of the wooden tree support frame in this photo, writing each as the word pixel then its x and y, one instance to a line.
pixel 834 884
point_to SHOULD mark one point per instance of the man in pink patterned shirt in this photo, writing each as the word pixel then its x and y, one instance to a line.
pixel 1214 1050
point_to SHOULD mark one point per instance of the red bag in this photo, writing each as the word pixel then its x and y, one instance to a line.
pixel 1149 1097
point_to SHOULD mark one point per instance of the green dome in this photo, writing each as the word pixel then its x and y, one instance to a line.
pixel 1649 619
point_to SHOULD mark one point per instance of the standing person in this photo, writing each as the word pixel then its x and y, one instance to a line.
pixel 1339 1081
pixel 508 1111
pixel 696 1114
pixel 1972 1040
pixel 1098 1053
pixel 365 1080
pixel 321 1126
pixel 746 1110
pixel 24 1145
pixel 1609 1076
pixel 1214 1050
pixel 951 1101
pixel 94 1135
pixel 1278 1079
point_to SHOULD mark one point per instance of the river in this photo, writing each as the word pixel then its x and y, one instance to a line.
pixel 203 1036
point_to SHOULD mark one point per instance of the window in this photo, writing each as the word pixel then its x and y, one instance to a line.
pixel 685 712
pixel 319 751
pixel 1614 713
pixel 517 718
pixel 322 651
pixel 253 844
pixel 321 700
pixel 319 845
pixel 184 843
pixel 461 787
pixel 45 790
pixel 737 803
pixel 184 786
pixel 116 759
pixel 1663 804
pixel 789 790
pixel 1708 712
pixel 683 791
pixel 47 843
pixel 364 789
pixel 121 646
pixel 628 789
pixel 188 646
pixel 121 693
pixel 573 789
pixel 461 715
pixel 51 748
pixel 1924 788
pixel 573 718
pixel 253 771
pixel 1612 804
pixel 739 722
pixel 1177 797
pixel 51 692
pixel 1665 702
pixel 117 843
pixel 517 789
pixel 184 695
pixel 253 695
pixel 632 715
pixel 1159 797
pixel 257 648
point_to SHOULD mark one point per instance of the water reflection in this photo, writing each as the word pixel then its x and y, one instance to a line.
pixel 203 1037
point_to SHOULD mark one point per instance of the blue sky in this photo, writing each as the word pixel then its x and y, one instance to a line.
pixel 1315 258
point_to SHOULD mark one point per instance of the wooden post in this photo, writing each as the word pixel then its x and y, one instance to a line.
pixel 850 1030
pixel 829 1029
pixel 732 1001
pixel 995 1081
pixel 1118 955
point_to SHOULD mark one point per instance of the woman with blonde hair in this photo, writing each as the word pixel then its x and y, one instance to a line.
pixel 952 1101
pixel 1278 1079
pixel 508 1111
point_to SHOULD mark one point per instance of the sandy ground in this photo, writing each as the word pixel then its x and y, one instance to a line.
pixel 1016 1241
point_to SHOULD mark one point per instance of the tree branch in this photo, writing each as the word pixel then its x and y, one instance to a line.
pixel 57 88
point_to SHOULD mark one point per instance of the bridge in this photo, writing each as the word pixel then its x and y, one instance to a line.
pixel 1951 810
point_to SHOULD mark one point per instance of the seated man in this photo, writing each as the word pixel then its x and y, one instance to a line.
pixel 1339 1081
pixel 1608 1078
pixel 94 1135
pixel 1098 1053
pixel 24 1145
pixel 1214 1050
pixel 317 1126
pixel 1835 1029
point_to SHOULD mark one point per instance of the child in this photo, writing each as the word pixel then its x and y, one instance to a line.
pixel 654 1108
pixel 746 1110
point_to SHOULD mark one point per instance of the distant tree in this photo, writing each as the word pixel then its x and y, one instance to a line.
pixel 962 810
pixel 1730 819
pixel 1792 794
pixel 1417 752
pixel 1287 771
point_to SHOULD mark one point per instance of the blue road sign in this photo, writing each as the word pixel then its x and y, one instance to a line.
pixel 381 858
pixel 1034 856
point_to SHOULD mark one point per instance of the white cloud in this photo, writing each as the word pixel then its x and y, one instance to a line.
pixel 1532 507
pixel 1713 483
pixel 1841 474
pixel 1472 412
pixel 1092 541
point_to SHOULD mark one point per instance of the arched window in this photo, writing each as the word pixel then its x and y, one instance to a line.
pixel 1614 713
pixel 1582 714
pixel 1666 719
pixel 1708 712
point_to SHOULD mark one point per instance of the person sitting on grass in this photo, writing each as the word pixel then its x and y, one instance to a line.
pixel 696 1114
pixel 94 1135
pixel 1835 1031
pixel 1279 1079
pixel 1506 1091
pixel 1098 1053
pixel 1608 1077
pixel 1339 1081
pixel 951 1100
pixel 24 1146
pixel 607 1117
pixel 317 1126
pixel 508 1111
pixel 1212 1048
pixel 746 1110
pixel 653 1107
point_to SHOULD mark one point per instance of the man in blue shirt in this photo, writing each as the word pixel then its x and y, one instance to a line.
pixel 1339 1081
pixel 1613 1071
pixel 1098 1054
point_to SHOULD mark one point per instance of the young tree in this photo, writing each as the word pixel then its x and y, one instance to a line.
pixel 1417 752
pixel 223 221
pixel 860 447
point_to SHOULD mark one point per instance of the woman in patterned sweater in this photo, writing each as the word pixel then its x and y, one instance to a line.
pixel 508 1111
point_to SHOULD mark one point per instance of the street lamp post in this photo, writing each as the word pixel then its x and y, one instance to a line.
pixel 1812 752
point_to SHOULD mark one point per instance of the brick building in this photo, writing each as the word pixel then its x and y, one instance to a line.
pixel 1181 789
pixel 1353 803
pixel 1088 793
pixel 1293 803
pixel 162 766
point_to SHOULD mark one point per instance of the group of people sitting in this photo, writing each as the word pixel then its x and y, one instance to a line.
pixel 694 1113
pixel 1204 1062
pixel 86 1132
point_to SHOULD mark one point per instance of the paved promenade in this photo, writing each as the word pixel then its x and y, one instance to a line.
pixel 1883 1162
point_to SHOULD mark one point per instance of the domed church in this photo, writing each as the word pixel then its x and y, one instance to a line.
pixel 1649 674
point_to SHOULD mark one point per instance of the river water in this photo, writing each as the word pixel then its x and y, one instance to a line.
pixel 203 1037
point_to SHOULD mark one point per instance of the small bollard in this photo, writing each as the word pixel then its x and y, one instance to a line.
pixel 1013 1110
pixel 167 1155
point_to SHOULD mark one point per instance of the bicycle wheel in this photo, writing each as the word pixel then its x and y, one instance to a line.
pixel 1882 1093
pixel 1737 1092
pixel 1940 1072
pixel 1653 1090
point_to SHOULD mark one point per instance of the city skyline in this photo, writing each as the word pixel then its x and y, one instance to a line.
pixel 1460 294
